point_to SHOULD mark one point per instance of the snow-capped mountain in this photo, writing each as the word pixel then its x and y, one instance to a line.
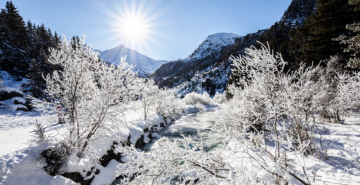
pixel 202 70
pixel 142 62
pixel 212 45
pixel 208 67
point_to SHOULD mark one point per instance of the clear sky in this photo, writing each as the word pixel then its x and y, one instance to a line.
pixel 160 29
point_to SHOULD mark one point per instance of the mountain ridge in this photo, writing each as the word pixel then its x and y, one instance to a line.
pixel 142 62
pixel 212 45
pixel 211 71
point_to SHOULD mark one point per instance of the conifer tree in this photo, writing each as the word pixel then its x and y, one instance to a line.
pixel 313 41
pixel 353 42
pixel 38 67
pixel 14 46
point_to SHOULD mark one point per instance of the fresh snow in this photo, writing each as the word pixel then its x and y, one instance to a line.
pixel 9 85
pixel 18 160
pixel 19 165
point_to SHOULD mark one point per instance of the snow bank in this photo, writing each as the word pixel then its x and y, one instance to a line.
pixel 23 167
pixel 137 127
pixel 342 143
pixel 18 99
pixel 10 85
pixel 107 174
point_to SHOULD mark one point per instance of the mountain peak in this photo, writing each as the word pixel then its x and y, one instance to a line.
pixel 213 44
pixel 141 62
pixel 222 35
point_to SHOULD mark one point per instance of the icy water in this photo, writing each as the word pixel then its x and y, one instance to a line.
pixel 188 125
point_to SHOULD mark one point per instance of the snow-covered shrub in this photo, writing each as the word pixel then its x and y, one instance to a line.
pixel 91 94
pixel 169 106
pixel 39 137
pixel 204 98
pixel 271 105
pixel 220 97
pixel 199 106
pixel 148 94
pixel 337 92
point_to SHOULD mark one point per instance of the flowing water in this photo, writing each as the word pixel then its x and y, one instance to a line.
pixel 188 125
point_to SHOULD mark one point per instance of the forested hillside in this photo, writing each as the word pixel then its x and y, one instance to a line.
pixel 306 33
pixel 24 49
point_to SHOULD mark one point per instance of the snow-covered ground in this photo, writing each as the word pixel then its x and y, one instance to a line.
pixel 342 145
pixel 19 162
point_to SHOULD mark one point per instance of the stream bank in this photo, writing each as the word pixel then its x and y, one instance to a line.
pixel 188 125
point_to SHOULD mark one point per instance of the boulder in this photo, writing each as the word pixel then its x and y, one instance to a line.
pixel 110 154
pixel 21 108
pixel 140 142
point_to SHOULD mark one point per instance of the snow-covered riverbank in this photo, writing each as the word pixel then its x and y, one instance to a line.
pixel 19 162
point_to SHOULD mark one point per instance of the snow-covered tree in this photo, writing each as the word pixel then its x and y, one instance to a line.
pixel 148 93
pixel 91 94
pixel 271 104
pixel 220 97
pixel 193 98
pixel 169 106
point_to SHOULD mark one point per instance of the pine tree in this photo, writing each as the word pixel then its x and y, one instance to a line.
pixel 353 42
pixel 313 41
pixel 39 66
pixel 14 41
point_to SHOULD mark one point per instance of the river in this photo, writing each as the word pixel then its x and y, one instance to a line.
pixel 188 125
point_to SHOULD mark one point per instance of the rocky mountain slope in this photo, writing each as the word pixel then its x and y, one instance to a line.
pixel 212 45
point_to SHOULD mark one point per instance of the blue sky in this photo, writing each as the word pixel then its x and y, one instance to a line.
pixel 171 29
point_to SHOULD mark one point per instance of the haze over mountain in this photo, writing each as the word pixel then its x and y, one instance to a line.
pixel 143 63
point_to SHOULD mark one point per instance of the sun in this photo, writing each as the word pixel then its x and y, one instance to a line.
pixel 134 28
pixel 132 23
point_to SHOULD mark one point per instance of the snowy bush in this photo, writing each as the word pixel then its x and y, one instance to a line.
pixel 169 105
pixel 193 98
pixel 272 106
pixel 199 106
pixel 92 96
pixel 337 91
pixel 148 94
pixel 220 97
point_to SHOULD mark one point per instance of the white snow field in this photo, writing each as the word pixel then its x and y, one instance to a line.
pixel 342 143
pixel 19 162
